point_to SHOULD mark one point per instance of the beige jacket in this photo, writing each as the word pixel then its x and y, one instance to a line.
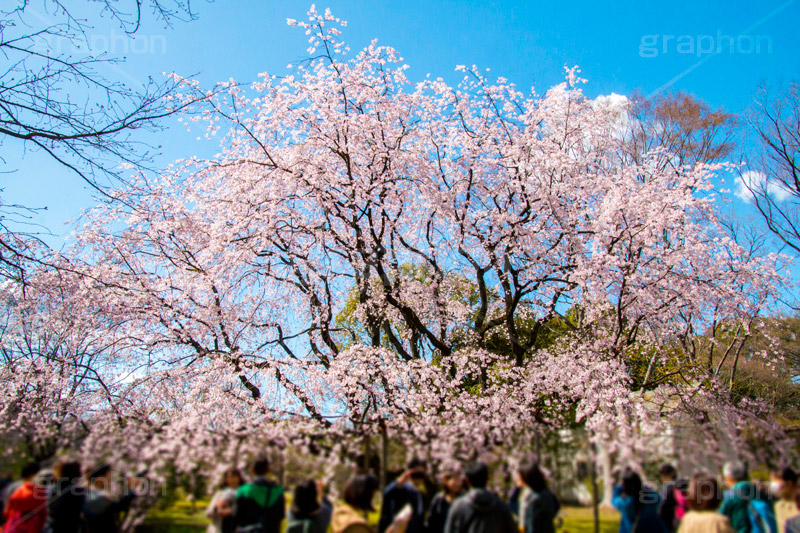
pixel 348 520
pixel 784 510
pixel 705 522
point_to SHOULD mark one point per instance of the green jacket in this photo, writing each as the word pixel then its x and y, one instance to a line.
pixel 736 506
pixel 261 502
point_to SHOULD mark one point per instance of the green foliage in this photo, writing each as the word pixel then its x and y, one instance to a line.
pixel 768 367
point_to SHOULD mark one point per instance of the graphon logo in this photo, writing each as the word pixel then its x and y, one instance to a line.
pixel 113 44
pixel 653 45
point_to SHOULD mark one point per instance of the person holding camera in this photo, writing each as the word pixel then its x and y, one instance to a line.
pixel 408 489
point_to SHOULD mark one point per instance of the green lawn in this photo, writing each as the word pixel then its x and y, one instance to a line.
pixel 181 518
pixel 581 520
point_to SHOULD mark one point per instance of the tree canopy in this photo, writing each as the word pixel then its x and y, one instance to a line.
pixel 455 267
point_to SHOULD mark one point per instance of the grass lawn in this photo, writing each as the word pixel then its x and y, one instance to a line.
pixel 581 520
pixel 180 518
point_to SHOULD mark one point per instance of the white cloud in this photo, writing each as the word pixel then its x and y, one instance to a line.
pixel 753 180
pixel 617 106
pixel 613 99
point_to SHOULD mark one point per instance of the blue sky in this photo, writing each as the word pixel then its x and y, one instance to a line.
pixel 620 46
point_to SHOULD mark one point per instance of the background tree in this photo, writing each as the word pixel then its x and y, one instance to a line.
pixel 55 100
pixel 773 173
pixel 683 125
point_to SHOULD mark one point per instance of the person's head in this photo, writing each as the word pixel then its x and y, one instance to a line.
pixel 631 483
pixel 734 472
pixel 477 474
pixel 417 468
pixel 260 466
pixel 29 471
pixel 232 479
pixel 67 471
pixel 306 499
pixel 530 474
pixel 453 483
pixel 668 472
pixel 100 475
pixel 704 493
pixel 783 482
pixel 359 491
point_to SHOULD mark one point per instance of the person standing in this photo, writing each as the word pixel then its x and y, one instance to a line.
pixel 26 509
pixel 351 517
pixel 792 525
pixel 101 510
pixel 737 500
pixel 539 506
pixel 260 504
pixel 637 505
pixel 704 498
pixel 7 486
pixel 65 499
pixel 310 512
pixel 673 502
pixel 408 489
pixel 452 487
pixel 783 483
pixel 479 510
pixel 223 504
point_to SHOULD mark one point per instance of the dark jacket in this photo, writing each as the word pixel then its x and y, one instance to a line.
pixel 65 503
pixel 101 511
pixel 513 500
pixel 480 511
pixel 541 509
pixel 5 492
pixel 437 515
pixel 666 510
pixel 261 502
pixel 639 519
pixel 395 497
pixel 318 522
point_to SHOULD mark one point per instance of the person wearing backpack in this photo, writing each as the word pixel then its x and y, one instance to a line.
pixel 260 504
pixel 744 504
pixel 309 512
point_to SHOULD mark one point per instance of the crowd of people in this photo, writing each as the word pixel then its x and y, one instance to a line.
pixel 67 502
pixel 704 505
pixel 72 503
